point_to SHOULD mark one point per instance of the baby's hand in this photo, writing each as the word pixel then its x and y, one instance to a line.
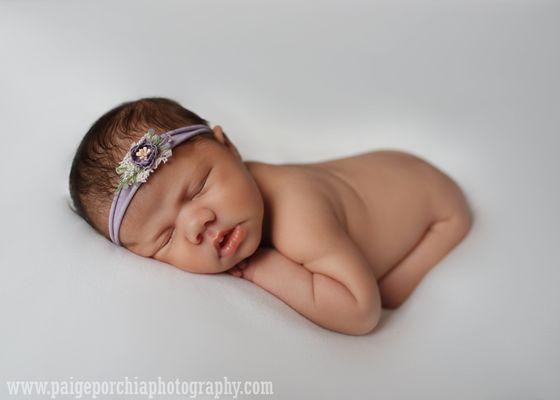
pixel 237 270
pixel 246 268
pixel 258 264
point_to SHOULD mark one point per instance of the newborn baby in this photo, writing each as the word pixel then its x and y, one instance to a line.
pixel 335 240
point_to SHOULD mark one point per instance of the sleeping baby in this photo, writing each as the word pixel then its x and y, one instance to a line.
pixel 335 240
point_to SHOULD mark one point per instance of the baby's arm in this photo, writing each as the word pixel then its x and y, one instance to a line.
pixel 317 296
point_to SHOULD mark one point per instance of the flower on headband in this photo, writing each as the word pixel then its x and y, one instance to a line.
pixel 143 158
pixel 143 154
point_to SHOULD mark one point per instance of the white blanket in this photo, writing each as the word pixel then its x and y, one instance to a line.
pixel 473 87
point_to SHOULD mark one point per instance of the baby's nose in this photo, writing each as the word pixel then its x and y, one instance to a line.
pixel 209 232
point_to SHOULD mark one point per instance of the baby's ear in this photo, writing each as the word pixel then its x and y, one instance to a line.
pixel 221 136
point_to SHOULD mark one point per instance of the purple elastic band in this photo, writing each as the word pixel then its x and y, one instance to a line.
pixel 124 196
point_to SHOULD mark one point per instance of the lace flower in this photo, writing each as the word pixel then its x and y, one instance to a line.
pixel 143 158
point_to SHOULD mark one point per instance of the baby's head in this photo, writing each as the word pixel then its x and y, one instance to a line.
pixel 175 216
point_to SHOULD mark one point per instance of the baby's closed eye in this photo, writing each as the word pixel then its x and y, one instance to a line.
pixel 202 185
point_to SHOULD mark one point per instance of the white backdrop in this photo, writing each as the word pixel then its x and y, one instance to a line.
pixel 471 86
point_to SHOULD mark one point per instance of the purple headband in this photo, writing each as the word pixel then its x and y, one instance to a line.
pixel 139 162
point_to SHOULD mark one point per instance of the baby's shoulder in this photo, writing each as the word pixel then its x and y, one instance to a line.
pixel 303 218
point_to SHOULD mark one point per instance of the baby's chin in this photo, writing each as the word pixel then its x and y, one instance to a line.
pixel 216 266
pixel 218 269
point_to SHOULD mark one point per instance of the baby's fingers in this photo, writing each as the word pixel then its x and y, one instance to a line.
pixel 235 271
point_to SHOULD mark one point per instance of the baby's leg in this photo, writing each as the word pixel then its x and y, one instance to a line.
pixel 440 238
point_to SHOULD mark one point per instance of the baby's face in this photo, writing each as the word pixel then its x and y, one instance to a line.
pixel 203 189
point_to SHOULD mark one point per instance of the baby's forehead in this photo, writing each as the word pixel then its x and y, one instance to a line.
pixel 181 167
pixel 194 149
pixel 188 159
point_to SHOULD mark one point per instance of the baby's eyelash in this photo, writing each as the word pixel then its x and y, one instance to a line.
pixel 203 183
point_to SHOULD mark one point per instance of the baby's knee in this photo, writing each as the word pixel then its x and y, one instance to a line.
pixel 461 224
pixel 455 227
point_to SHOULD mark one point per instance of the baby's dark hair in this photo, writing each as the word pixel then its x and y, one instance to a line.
pixel 93 178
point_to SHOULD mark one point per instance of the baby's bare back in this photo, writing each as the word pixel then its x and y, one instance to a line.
pixel 385 200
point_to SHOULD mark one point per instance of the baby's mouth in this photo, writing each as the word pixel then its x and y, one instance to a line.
pixel 219 240
pixel 225 238
pixel 231 241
